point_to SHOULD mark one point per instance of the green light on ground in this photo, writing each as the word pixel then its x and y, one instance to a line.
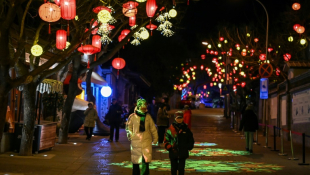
pixel 202 144
pixel 211 152
pixel 210 166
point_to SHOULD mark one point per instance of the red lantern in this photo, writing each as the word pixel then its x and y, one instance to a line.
pixel 234 87
pixel 300 29
pixel 195 67
pixel 204 86
pixel 151 8
pixel 130 8
pixel 203 57
pixel 125 32
pixel 256 40
pixel 270 49
pixel 201 67
pixel 296 26
pixel 57 2
pixel 96 41
pixel 237 45
pixel 211 84
pixel 94 31
pixel 88 49
pixel 216 53
pixel 111 27
pixel 287 57
pixel 121 37
pixel 296 6
pixel 61 39
pixel 243 84
pixel 278 71
pixel 49 12
pixel 221 38
pixel 68 9
pixel 211 52
pixel 236 79
pixel 132 20
pixel 262 57
pixel 118 63
pixel 243 53
pixel 99 8
pixel 252 50
pixel 151 27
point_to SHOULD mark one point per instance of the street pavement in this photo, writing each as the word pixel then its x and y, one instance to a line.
pixel 218 150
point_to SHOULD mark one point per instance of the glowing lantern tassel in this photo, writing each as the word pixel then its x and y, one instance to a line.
pixel 88 65
pixel 49 28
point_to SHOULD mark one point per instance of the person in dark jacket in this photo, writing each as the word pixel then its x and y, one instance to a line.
pixel 162 120
pixel 153 109
pixel 249 123
pixel 114 117
pixel 178 141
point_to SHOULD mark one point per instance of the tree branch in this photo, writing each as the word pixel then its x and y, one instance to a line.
pixel 23 20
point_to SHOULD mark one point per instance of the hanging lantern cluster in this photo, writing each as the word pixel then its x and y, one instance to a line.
pixel 142 34
pixel 165 25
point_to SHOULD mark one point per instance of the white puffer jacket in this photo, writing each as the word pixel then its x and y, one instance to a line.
pixel 141 142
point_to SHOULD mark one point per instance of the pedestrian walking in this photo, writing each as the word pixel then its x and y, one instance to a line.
pixel 178 141
pixel 114 118
pixel 141 131
pixel 153 109
pixel 162 121
pixel 249 123
pixel 91 116
pixel 188 116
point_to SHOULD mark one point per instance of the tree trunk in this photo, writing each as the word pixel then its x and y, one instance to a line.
pixel 29 119
pixel 64 127
pixel 89 92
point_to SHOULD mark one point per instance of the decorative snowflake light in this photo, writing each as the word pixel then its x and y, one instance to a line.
pixel 105 39
pixel 167 32
pixel 104 29
pixel 135 42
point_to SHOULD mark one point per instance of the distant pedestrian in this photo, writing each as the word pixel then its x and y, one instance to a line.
pixel 162 120
pixel 141 131
pixel 188 116
pixel 179 141
pixel 91 116
pixel 132 109
pixel 249 123
pixel 153 109
pixel 114 118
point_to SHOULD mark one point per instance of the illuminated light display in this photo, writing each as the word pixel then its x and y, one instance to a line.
pixel 106 91
pixel 210 166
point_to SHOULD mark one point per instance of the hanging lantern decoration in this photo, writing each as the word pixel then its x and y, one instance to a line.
pixel 111 27
pixel 243 84
pixel 290 39
pixel 130 8
pixel 256 40
pixel 243 54
pixel 68 9
pixel 96 41
pixel 221 39
pixel 151 8
pixel 49 12
pixel 203 57
pixel 57 2
pixel 88 49
pixel 278 71
pixel 287 57
pixel 234 87
pixel 99 8
pixel 151 27
pixel 296 26
pixel 36 50
pixel 262 57
pixel 104 16
pixel 125 32
pixel 300 29
pixel 172 13
pixel 204 86
pixel 61 39
pixel 201 67
pixel 118 63
pixel 67 44
pixel 216 53
pixel 121 37
pixel 303 41
pixel 296 6
pixel 270 49
pixel 132 20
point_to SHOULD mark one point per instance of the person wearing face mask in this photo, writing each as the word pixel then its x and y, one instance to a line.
pixel 141 131
pixel 178 141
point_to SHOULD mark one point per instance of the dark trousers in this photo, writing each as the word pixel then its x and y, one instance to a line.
pixel 161 133
pixel 112 126
pixel 145 168
pixel 88 131
pixel 177 165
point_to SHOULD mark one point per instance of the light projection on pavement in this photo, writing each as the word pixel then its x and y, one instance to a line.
pixel 204 144
pixel 210 166
pixel 211 152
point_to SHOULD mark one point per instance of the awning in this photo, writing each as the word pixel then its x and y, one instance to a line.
pixel 96 79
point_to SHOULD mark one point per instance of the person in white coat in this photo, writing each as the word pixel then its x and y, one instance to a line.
pixel 91 116
pixel 142 132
